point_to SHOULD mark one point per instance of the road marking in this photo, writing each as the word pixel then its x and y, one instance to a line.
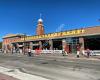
pixel 20 75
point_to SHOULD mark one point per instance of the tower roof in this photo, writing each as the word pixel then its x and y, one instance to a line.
pixel 40 20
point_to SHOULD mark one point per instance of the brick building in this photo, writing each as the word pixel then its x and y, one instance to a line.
pixel 86 37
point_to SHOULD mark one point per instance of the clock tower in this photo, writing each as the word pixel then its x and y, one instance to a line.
pixel 40 27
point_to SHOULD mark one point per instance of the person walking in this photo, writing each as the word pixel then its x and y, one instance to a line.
pixel 29 52
pixel 63 52
pixel 78 50
pixel 88 52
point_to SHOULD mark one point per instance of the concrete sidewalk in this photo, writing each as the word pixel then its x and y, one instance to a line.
pixel 16 74
pixel 72 56
pixel 6 77
pixel 69 56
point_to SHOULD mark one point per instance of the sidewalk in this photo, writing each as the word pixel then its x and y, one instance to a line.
pixel 69 56
pixel 6 77
pixel 56 56
pixel 16 74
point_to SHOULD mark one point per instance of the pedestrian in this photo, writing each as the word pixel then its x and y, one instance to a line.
pixel 66 50
pixel 88 52
pixel 29 52
pixel 77 54
pixel 78 50
pixel 12 50
pixel 63 52
pixel 38 51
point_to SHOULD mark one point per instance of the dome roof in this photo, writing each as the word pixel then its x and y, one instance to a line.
pixel 40 20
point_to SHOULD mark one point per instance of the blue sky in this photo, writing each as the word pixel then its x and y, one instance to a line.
pixel 20 16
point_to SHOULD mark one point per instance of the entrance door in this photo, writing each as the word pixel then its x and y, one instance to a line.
pixel 72 48
pixel 72 43
pixel 57 44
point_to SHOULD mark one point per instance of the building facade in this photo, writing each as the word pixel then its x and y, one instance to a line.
pixel 68 40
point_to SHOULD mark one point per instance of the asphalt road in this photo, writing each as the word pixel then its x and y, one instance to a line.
pixel 54 69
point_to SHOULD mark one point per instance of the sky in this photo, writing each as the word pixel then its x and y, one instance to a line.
pixel 21 16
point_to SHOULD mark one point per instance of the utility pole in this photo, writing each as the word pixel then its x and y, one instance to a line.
pixel 24 43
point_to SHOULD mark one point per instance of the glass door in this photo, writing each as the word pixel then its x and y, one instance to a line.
pixel 72 42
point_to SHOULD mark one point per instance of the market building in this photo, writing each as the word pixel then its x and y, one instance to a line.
pixel 85 37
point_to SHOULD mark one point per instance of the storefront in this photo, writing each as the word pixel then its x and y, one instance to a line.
pixel 86 37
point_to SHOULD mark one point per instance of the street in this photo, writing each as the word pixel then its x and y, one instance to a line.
pixel 53 69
